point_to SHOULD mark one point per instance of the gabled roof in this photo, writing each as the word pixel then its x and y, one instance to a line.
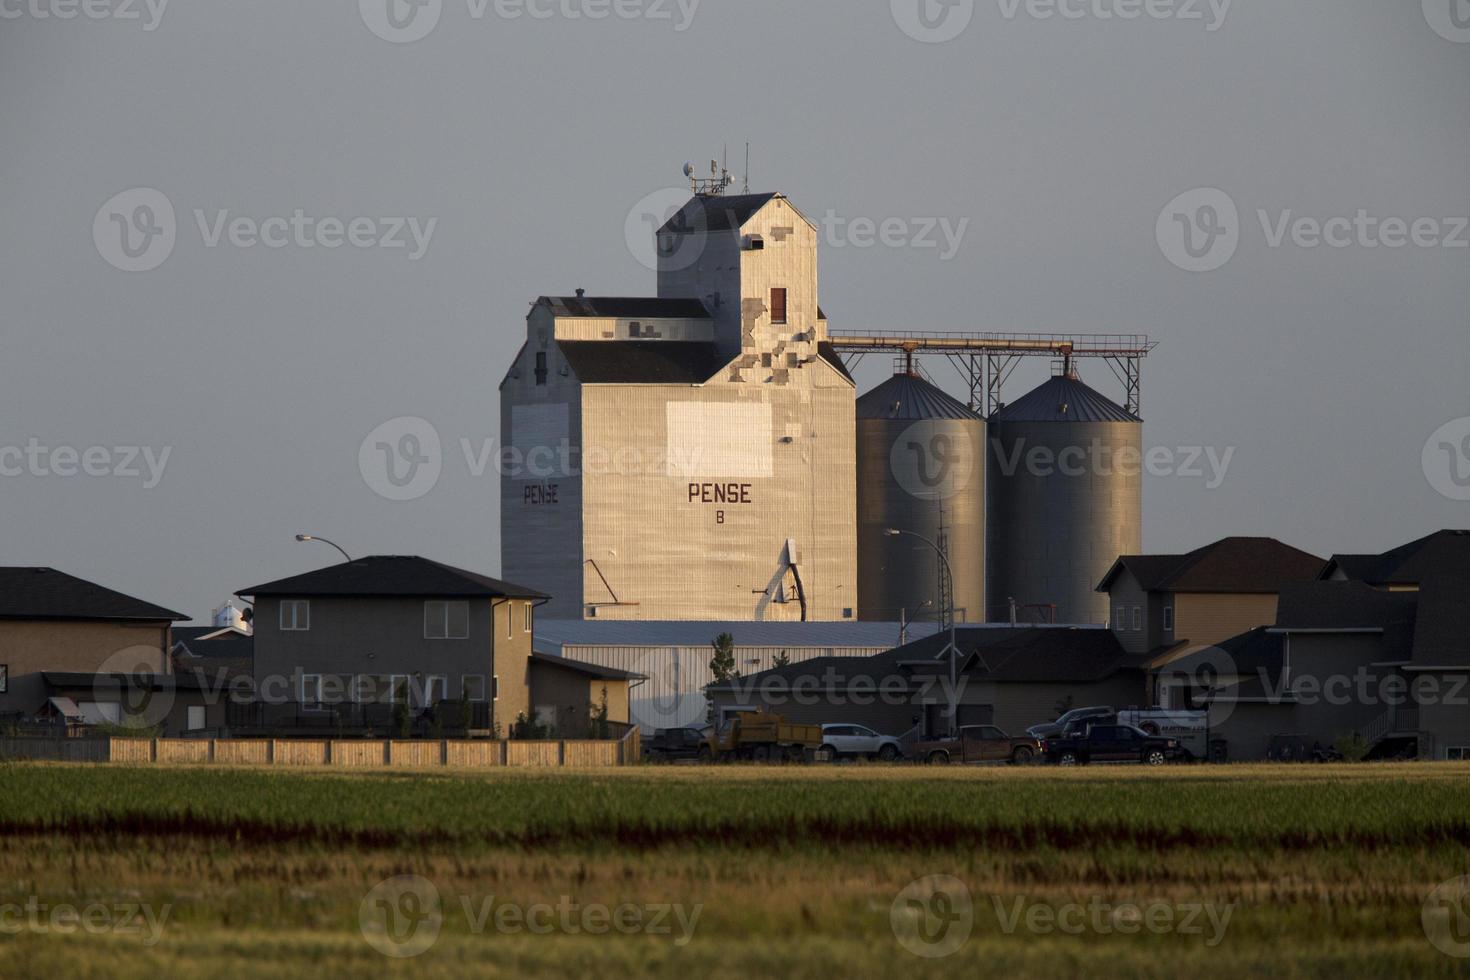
pixel 642 361
pixel 1443 552
pixel 625 307
pixel 1231 565
pixel 1253 652
pixel 1064 399
pixel 587 670
pixel 718 213
pixel 392 575
pixel 45 593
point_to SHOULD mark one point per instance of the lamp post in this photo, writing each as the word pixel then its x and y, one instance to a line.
pixel 312 537
pixel 953 646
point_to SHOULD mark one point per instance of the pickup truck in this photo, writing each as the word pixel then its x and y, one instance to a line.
pixel 1110 743
pixel 1075 720
pixel 978 743
pixel 669 744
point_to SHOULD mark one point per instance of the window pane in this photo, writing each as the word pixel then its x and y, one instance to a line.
pixel 434 620
pixel 458 616
pixel 530 616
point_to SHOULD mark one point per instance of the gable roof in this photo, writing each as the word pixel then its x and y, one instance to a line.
pixel 1231 565
pixel 718 213
pixel 1349 606
pixel 625 307
pixel 45 593
pixel 642 361
pixel 1443 552
pixel 392 575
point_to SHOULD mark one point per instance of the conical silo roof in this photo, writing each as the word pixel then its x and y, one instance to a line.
pixel 1064 399
pixel 906 398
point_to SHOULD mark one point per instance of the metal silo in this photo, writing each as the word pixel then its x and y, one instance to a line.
pixel 920 468
pixel 1065 500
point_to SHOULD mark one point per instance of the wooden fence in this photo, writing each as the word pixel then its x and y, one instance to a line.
pixel 329 753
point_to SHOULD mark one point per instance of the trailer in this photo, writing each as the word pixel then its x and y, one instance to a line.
pixel 1189 727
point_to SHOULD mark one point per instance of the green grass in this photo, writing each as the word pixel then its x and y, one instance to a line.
pixel 1323 869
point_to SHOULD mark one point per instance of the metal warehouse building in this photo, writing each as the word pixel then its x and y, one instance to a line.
pixel 675 656
pixel 689 456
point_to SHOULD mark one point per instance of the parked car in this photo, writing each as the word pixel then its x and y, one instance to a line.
pixel 670 744
pixel 859 741
pixel 1073 720
pixel 979 743
pixel 1110 743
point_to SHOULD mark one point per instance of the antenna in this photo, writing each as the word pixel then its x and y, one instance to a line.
pixel 747 166
pixel 712 186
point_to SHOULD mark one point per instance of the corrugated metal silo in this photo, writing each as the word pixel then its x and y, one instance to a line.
pixel 1065 499
pixel 920 468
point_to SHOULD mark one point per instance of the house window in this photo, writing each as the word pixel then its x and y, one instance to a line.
pixel 196 717
pixel 778 306
pixel 495 688
pixel 398 689
pixel 541 369
pixel 446 620
pixel 1120 619
pixel 530 617
pixel 436 689
pixel 295 615
pixel 363 689
pixel 311 689
pixel 510 611
pixel 4 678
pixel 473 686
pixel 1457 753
pixel 1138 617
pixel 1168 619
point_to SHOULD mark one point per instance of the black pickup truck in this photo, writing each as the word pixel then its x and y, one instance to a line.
pixel 669 744
pixel 1110 743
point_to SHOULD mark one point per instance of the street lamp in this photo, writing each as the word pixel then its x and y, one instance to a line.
pixel 953 646
pixel 312 537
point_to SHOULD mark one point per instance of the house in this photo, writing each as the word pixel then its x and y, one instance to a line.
pixel 1378 648
pixel 1013 677
pixel 347 644
pixel 75 653
pixel 1405 567
pixel 1164 605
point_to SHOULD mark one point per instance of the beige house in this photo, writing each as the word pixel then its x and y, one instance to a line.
pixel 1164 605
pixel 689 456
pixel 55 623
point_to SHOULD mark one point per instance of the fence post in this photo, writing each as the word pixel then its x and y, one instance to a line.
pixel 444 752
pixel 212 744
pixel 561 754
pixel 153 750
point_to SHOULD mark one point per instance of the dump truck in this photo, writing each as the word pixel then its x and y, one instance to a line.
pixel 759 736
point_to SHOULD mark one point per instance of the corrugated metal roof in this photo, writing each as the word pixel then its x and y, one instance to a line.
pixel 554 634
pixel 905 398
pixel 1064 399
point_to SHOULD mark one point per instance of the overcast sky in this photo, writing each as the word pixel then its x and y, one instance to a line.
pixel 1050 147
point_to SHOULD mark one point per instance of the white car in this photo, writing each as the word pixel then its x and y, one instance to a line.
pixel 858 741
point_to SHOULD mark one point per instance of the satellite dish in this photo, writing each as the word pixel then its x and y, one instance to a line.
pixel 688 170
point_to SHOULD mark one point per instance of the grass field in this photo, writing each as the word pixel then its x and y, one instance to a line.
pixel 1318 871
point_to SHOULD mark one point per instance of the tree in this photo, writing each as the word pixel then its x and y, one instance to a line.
pixel 722 664
pixel 783 659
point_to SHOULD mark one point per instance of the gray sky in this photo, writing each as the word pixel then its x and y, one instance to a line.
pixel 1060 140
